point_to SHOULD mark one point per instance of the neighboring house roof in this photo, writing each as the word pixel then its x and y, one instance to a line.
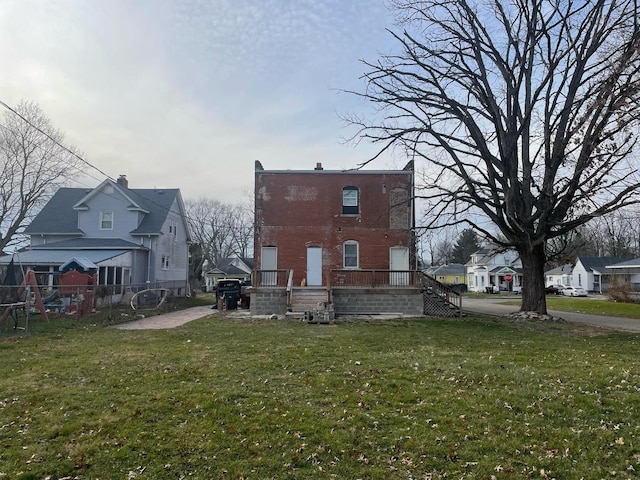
pixel 49 221
pixel 229 266
pixel 156 203
pixel 83 262
pixel 449 269
pixel 91 243
pixel 229 270
pixel 599 264
pixel 561 270
pixel 59 257
pixel 483 255
pixel 633 263
pixel 505 269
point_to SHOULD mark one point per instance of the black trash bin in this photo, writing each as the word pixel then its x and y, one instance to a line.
pixel 229 291
pixel 231 301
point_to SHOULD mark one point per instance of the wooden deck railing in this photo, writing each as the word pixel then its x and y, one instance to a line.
pixel 373 278
pixel 272 278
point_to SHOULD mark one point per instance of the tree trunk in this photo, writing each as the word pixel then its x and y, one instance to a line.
pixel 533 295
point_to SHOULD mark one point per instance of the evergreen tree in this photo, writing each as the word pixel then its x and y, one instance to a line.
pixel 467 244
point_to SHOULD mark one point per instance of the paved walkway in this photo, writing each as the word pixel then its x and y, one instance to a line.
pixel 167 320
pixel 493 306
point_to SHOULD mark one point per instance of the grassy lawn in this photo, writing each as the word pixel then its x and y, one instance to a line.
pixel 236 399
pixel 594 306
pixel 589 305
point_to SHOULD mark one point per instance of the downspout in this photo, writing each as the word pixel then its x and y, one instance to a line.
pixel 149 259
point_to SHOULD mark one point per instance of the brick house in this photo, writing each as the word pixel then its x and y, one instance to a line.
pixel 317 220
pixel 332 229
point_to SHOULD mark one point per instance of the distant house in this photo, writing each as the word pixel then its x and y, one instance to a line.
pixel 450 274
pixel 591 273
pixel 490 267
pixel 627 272
pixel 136 238
pixel 561 275
pixel 234 267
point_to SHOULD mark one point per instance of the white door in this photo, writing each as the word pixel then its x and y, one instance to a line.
pixel 399 264
pixel 314 265
pixel 269 262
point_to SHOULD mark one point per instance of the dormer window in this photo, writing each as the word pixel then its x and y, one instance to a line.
pixel 106 220
pixel 350 201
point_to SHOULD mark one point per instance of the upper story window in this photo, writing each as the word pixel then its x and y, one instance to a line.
pixel 172 227
pixel 350 200
pixel 106 220
pixel 350 254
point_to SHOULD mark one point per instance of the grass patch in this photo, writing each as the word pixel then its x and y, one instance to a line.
pixel 221 398
pixel 590 306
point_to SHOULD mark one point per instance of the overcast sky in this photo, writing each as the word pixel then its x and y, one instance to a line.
pixel 189 93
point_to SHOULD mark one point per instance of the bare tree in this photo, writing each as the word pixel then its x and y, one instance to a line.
pixel 524 112
pixel 34 165
pixel 221 230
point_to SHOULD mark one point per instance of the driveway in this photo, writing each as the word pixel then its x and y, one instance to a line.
pixel 492 306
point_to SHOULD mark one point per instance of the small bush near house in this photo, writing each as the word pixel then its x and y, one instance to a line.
pixel 620 291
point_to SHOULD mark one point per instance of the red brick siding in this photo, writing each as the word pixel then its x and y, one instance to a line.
pixel 295 210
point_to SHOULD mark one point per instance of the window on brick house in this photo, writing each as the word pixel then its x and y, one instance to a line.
pixel 350 200
pixel 350 254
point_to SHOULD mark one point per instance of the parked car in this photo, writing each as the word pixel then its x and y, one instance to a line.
pixel 574 292
pixel 517 290
pixel 555 289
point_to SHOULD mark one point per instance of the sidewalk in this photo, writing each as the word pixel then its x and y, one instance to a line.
pixel 168 320
pixel 492 306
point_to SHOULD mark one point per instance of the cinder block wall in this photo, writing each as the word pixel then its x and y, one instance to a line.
pixel 350 301
pixel 267 301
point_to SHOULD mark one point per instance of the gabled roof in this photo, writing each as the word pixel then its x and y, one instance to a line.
pixel 60 215
pixel 82 203
pixel 227 266
pixel 565 269
pixel 599 264
pixel 78 262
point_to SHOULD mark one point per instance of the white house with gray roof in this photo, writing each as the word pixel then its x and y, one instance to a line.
pixel 592 274
pixel 491 269
pixel 136 238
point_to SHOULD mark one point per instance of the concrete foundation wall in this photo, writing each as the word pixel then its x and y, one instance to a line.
pixel 267 301
pixel 351 301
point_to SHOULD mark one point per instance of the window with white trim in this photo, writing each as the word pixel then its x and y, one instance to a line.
pixel 106 220
pixel 165 262
pixel 350 200
pixel 350 254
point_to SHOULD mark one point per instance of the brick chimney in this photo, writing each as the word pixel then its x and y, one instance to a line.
pixel 318 166
pixel 122 180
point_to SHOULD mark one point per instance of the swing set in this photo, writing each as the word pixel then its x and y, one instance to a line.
pixel 30 291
